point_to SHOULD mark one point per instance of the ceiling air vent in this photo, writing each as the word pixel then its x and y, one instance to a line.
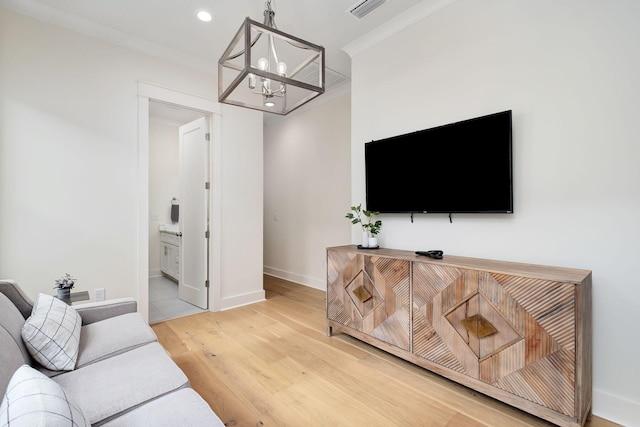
pixel 332 78
pixel 364 7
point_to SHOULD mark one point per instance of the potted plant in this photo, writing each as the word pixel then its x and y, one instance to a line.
pixel 370 228
pixel 64 285
pixel 374 227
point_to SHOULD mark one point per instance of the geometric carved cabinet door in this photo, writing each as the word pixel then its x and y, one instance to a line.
pixel 518 332
pixel 370 294
pixel 515 333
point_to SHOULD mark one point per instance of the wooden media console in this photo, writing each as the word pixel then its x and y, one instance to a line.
pixel 520 333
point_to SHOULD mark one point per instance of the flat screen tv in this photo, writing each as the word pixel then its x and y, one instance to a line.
pixel 462 167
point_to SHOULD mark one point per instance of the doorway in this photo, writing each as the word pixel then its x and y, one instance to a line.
pixel 179 213
pixel 150 96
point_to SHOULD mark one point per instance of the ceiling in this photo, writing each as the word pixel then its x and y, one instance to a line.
pixel 169 28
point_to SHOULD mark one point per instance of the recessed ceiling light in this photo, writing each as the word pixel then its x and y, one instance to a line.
pixel 204 16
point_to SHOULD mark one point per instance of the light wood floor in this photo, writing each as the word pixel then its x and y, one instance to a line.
pixel 271 364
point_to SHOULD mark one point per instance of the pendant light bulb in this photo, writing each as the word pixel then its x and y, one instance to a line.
pixel 282 68
pixel 263 64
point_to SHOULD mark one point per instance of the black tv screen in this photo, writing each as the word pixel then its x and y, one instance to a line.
pixel 462 167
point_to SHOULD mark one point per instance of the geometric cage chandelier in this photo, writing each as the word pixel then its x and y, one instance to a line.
pixel 266 69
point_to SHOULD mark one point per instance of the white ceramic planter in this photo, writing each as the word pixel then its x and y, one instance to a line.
pixel 365 239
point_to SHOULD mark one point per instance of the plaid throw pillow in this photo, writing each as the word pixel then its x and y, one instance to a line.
pixel 52 333
pixel 33 399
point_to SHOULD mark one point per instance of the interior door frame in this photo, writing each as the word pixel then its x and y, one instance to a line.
pixel 151 91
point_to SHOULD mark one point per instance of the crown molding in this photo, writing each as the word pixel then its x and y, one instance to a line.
pixel 417 13
pixel 102 32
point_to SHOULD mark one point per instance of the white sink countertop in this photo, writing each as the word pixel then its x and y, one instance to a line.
pixel 169 228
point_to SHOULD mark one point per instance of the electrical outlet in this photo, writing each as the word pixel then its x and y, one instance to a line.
pixel 100 294
pixel 154 216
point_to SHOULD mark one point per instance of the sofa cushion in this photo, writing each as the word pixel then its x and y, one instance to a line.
pixel 52 333
pixel 120 383
pixel 32 399
pixel 194 411
pixel 13 353
pixel 109 337
pixel 113 336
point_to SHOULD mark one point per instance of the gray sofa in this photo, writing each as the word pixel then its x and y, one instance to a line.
pixel 122 376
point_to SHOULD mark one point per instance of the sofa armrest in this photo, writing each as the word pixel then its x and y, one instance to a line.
pixel 95 311
pixel 12 291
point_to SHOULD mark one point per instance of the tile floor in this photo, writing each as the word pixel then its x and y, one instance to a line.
pixel 164 302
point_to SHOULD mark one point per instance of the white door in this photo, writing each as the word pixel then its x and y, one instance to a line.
pixel 194 212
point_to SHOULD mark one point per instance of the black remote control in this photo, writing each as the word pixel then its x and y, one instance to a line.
pixel 431 254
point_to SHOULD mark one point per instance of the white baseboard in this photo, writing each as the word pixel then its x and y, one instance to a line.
pixel 241 300
pixel 311 282
pixel 615 408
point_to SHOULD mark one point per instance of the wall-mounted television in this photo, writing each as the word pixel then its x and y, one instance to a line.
pixel 462 167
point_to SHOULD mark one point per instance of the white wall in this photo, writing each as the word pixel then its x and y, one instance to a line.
pixel 569 71
pixel 69 183
pixel 164 175
pixel 306 191
pixel 241 233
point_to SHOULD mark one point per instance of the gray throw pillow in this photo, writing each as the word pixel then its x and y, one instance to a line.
pixel 52 333
pixel 33 399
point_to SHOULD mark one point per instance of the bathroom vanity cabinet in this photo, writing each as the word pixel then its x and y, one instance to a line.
pixel 170 254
